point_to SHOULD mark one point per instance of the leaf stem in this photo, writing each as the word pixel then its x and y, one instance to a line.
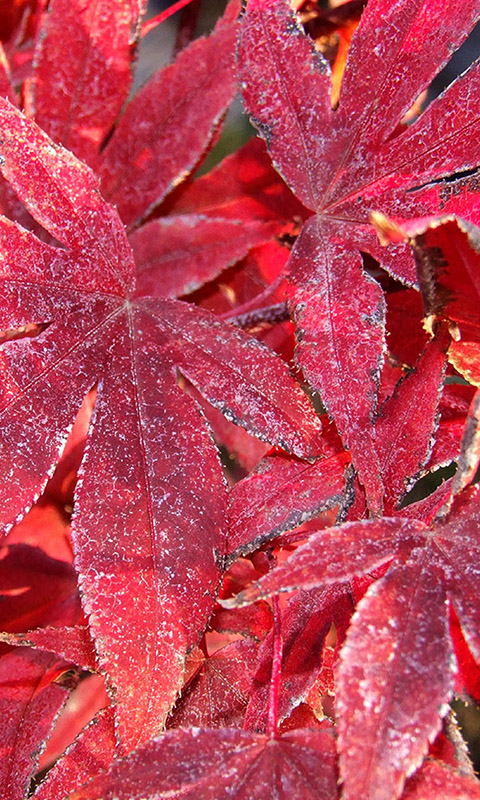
pixel 150 24
pixel 272 725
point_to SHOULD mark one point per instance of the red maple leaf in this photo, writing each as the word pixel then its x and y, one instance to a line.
pixel 92 260
pixel 343 163
pixel 149 505
pixel 226 762
pixel 397 666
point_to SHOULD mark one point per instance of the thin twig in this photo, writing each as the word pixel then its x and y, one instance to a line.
pixel 272 725
pixel 150 24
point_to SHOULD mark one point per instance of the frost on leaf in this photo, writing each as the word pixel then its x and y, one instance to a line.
pixel 408 418
pixel 281 494
pixel 214 764
pixel 331 556
pixel 150 499
pixel 344 164
pixel 435 779
pixel 391 658
pixel 397 680
pixel 340 341
pixel 29 702
pixel 91 753
pixel 138 167
pixel 178 254
pixel 305 623
pixel 218 694
pixel 70 643
pixel 87 46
